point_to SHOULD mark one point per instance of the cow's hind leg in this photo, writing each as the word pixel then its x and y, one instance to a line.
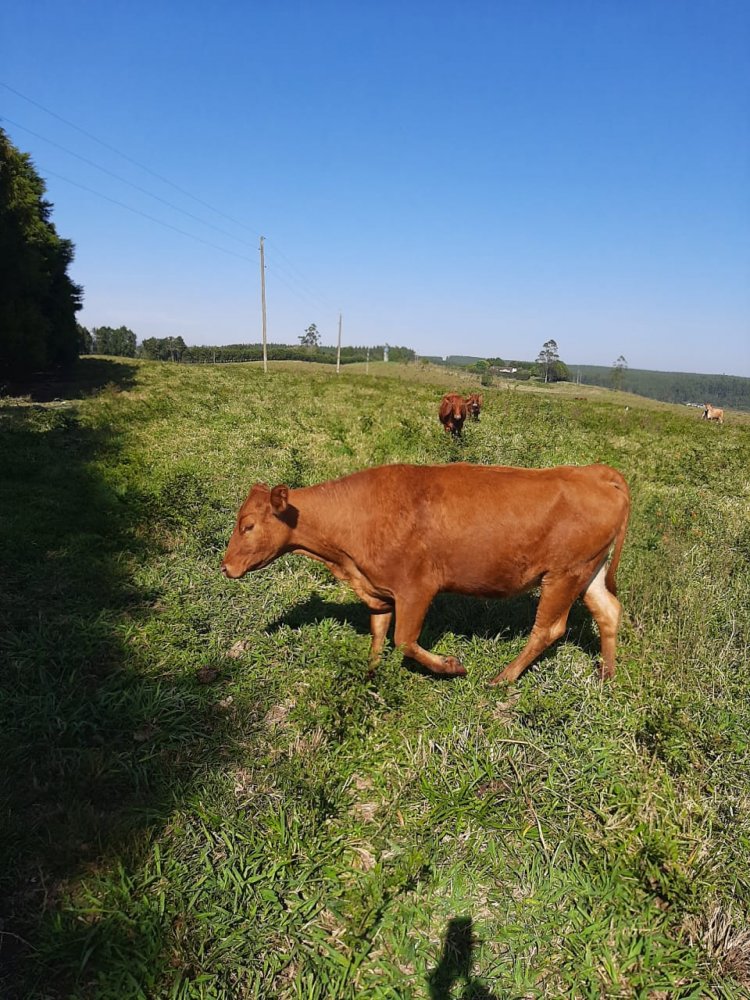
pixel 606 611
pixel 410 614
pixel 551 619
pixel 379 624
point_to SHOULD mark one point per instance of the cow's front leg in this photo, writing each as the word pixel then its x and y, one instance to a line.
pixel 380 622
pixel 410 612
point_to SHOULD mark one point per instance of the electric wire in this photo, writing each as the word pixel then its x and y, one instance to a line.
pixel 124 180
pixel 312 296
pixel 304 291
pixel 130 159
pixel 136 211
pixel 167 225
pixel 137 187
pixel 151 218
pixel 300 277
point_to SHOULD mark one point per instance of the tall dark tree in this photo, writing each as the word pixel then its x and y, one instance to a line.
pixel 163 348
pixel 151 349
pixel 176 347
pixel 85 340
pixel 38 300
pixel 110 340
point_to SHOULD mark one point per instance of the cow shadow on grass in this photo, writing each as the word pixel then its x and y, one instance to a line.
pixel 508 620
pixel 96 744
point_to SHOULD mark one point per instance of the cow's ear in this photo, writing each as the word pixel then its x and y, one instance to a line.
pixel 279 499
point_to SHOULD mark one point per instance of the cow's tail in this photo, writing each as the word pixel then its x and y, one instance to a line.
pixel 611 578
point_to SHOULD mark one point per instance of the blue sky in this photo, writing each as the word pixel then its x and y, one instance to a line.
pixel 468 178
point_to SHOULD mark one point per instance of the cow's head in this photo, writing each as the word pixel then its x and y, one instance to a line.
pixel 474 403
pixel 262 532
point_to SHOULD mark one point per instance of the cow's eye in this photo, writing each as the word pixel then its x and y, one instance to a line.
pixel 247 527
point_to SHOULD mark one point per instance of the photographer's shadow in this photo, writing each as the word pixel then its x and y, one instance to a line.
pixel 455 965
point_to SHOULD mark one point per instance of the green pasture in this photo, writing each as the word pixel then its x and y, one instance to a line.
pixel 203 795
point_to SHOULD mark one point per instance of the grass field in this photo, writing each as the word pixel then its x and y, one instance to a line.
pixel 203 794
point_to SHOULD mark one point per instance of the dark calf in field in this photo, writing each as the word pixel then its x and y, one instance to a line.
pixel 474 405
pixel 452 413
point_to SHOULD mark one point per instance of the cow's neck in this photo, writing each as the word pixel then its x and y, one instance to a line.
pixel 323 529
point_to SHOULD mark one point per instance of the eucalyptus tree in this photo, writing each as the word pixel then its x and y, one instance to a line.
pixel 548 356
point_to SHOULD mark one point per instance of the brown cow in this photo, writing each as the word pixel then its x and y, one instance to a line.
pixel 474 405
pixel 452 413
pixel 713 413
pixel 400 534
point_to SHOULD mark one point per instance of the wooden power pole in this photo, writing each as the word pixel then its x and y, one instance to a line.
pixel 338 349
pixel 263 302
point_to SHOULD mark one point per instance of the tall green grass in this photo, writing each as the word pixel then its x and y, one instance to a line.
pixel 206 795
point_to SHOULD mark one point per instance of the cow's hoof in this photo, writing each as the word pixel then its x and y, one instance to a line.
pixel 452 667
pixel 498 679
pixel 606 673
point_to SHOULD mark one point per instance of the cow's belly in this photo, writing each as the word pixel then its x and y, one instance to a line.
pixel 503 582
pixel 496 591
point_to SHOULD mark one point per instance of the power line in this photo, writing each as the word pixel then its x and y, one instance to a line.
pixel 300 276
pixel 136 211
pixel 308 293
pixel 317 300
pixel 176 229
pixel 124 180
pixel 125 156
pixel 299 292
pixel 156 197
pixel 145 215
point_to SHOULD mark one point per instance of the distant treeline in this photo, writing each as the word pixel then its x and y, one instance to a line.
pixel 284 352
pixel 669 387
pixel 453 360
pixel 672 387
pixel 122 342
pixel 489 368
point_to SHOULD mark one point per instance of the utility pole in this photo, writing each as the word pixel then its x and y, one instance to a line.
pixel 263 301
pixel 367 362
pixel 338 349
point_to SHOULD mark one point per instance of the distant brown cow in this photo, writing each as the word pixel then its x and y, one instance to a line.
pixel 474 405
pixel 400 534
pixel 452 413
pixel 713 413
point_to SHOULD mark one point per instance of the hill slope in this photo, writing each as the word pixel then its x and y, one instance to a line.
pixel 205 794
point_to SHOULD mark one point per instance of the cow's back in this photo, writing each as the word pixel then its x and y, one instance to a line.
pixel 479 529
